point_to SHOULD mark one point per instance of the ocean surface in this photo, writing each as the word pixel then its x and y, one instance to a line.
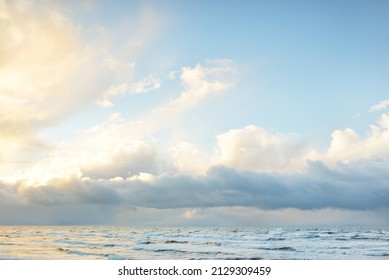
pixel 103 242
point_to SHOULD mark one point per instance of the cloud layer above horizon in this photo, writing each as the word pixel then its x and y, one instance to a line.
pixel 91 137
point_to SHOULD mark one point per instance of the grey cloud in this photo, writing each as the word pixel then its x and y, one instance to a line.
pixel 354 187
pixel 360 186
pixel 58 192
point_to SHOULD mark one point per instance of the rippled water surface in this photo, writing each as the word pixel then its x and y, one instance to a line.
pixel 95 242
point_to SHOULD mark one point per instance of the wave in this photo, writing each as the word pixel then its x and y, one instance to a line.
pixel 6 243
pixel 63 250
pixel 284 248
pixel 175 242
pixel 209 243
pixel 275 239
pixel 159 250
pixel 145 242
pixel 98 242
pixel 81 253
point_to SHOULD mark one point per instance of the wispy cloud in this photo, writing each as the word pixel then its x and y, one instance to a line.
pixel 49 72
pixel 144 85
pixel 380 106
pixel 52 70
pixel 38 57
pixel 200 83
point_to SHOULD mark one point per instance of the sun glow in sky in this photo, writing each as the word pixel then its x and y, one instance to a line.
pixel 194 112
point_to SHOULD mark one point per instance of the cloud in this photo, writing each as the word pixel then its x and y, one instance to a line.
pixel 252 169
pixel 52 68
pixel 188 159
pixel 380 106
pixel 145 85
pixel 348 146
pixel 48 71
pixel 117 146
pixel 112 91
pixel 41 56
pixel 359 186
pixel 318 188
pixel 108 162
pixel 144 177
pixel 253 148
pixel 200 82
pixel 37 54
pixel 204 79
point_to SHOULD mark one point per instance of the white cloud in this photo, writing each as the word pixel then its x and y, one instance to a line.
pixel 253 148
pixel 121 160
pixel 47 73
pixel 188 159
pixel 111 92
pixel 172 75
pixel 37 55
pixel 380 106
pixel 200 82
pixel 144 177
pixel 348 146
pixel 145 85
pixel 203 80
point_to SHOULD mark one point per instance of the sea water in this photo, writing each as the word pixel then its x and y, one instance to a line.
pixel 147 243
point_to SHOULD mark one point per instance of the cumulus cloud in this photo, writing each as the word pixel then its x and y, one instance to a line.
pixel 188 159
pixel 104 163
pixel 253 148
pixel 318 188
pixel 359 186
pixel 348 146
pixel 252 169
pixel 122 161
pixel 204 79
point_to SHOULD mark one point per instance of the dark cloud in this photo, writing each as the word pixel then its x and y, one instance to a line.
pixel 353 187
pixel 358 186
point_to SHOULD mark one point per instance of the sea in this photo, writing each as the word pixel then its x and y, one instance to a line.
pixel 186 243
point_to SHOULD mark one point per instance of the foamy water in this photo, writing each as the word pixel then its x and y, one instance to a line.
pixel 98 242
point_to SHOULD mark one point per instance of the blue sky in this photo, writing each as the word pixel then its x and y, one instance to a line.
pixel 194 112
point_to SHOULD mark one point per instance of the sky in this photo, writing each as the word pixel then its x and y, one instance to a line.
pixel 224 113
